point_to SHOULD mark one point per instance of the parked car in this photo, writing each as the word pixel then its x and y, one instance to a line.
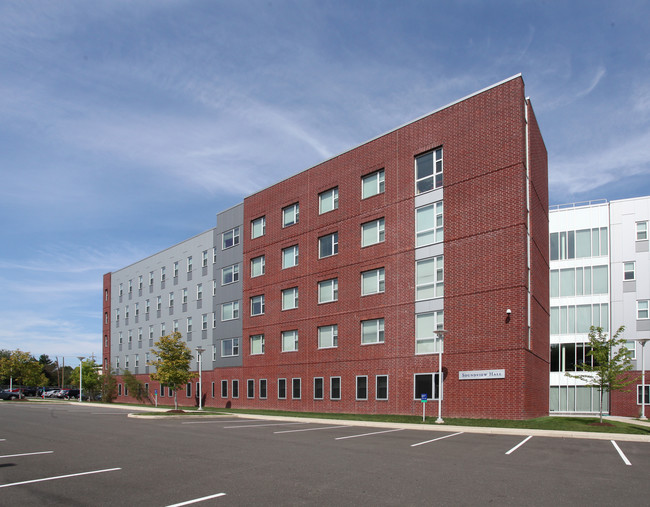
pixel 29 391
pixel 11 394
pixel 68 394
pixel 51 393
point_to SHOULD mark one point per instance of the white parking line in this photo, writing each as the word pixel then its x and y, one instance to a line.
pixel 213 421
pixel 368 434
pixel 311 429
pixel 26 454
pixel 625 460
pixel 261 425
pixel 439 438
pixel 197 500
pixel 58 477
pixel 519 444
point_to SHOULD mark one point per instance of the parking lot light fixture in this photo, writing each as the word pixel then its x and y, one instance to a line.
pixel 642 341
pixel 440 333
pixel 200 350
pixel 81 358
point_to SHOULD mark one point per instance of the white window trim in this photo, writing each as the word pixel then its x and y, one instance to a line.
pixel 262 306
pixel 380 277
pixel 294 299
pixel 285 389
pixel 646 309
pixel 335 200
pixel 295 341
pixel 295 207
pixel 377 342
pixel 380 176
pixel 340 388
pixel 260 220
pixel 356 388
pixel 299 386
pixel 335 336
pixel 295 258
pixel 322 379
pixel 334 291
pixel 262 261
pixel 387 387
pixel 335 245
pixel 380 224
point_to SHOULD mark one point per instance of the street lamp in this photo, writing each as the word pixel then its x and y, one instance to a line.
pixel 440 333
pixel 81 358
pixel 200 350
pixel 642 341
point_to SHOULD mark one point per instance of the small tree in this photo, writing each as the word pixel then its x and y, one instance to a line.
pixel 134 386
pixel 610 358
pixel 22 368
pixel 173 363
pixel 109 387
pixel 90 381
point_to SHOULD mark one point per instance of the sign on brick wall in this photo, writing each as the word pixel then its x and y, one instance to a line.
pixel 481 374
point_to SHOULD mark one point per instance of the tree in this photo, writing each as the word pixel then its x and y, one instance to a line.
pixel 108 386
pixel 610 359
pixel 22 368
pixel 90 381
pixel 173 363
pixel 134 386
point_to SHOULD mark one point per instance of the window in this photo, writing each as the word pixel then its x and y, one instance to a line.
pixel 381 387
pixel 328 290
pixel 175 325
pixel 162 329
pixel 290 257
pixel 318 388
pixel 235 388
pixel 641 231
pixel 290 215
pixel 199 292
pixel 175 269
pixel 372 331
pixel 126 312
pixel 230 274
pixel 295 388
pixel 290 298
pixel 204 322
pixel 214 255
pixel 213 389
pixel 136 307
pixel 282 388
pixel 214 287
pixel 224 388
pixel 121 291
pixel 646 395
pixel 642 309
pixel 289 341
pixel 373 282
pixel 150 278
pixel 171 299
pixel 258 227
pixel 372 232
pixel 189 324
pixel 328 245
pixel 158 302
pixel 230 311
pixel 631 346
pixel 335 388
pixel 162 274
pixel 362 387
pixel 328 200
pixel 184 296
pixel 140 282
pixel 204 259
pixel 628 271
pixel 119 389
pixel 151 332
pixel 117 315
pixel 257 305
pixel 250 388
pixel 257 344
pixel 257 266
pixel 426 339
pixel 130 338
pixel 425 383
pixel 120 339
pixel 578 244
pixel 126 361
pixel 130 286
pixel 139 334
pixel 147 306
pixel 262 388
pixel 429 278
pixel 230 347
pixel 328 336
pixel 230 238
pixel 117 362
pixel 428 171
pixel 372 184
pixel 188 390
pixel 428 224
pixel 189 264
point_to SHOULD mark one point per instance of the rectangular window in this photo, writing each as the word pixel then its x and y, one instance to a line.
pixel 290 298
pixel 189 324
pixel 642 309
pixel 362 387
pixel 214 287
pixel 328 290
pixel 213 389
pixel 372 331
pixel 162 274
pixel 184 296
pixel 214 255
pixel 381 387
pixel 258 227
pixel 335 388
pixel 425 383
pixel 629 271
pixel 641 230
pixel 373 282
pixel 230 238
pixel 428 171
pixel 429 278
pixel 429 224
pixel 158 302
pixel 130 286
pixel 126 312
pixel 150 277
pixel 427 341
pixel 295 388
pixel 328 200
pixel 117 315
pixel 137 360
pixel 189 264
pixel 175 269
pixel 137 309
pixel 290 341
pixel 257 305
pixel 224 388
pixel 235 388
pixel 204 259
pixel 147 306
pixel 230 347
pixel 318 388
pixel 250 388
pixel 290 257
pixel 204 322
pixel 151 332
pixel 162 329
pixel 188 389
pixel 262 388
pixel 282 388
pixel 328 336
pixel 199 292
pixel 373 232
pixel 631 346
pixel 126 361
pixel 120 337
pixel 372 184
pixel 290 215
pixel 646 395
pixel 121 291
pixel 230 274
pixel 171 299
pixel 328 245
pixel 230 311
pixel 139 334
pixel 257 344
pixel 140 282
pixel 257 266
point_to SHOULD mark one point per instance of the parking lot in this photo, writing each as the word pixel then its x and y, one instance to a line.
pixel 80 454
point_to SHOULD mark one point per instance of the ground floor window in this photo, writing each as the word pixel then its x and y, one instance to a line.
pixel 576 399
pixel 362 387
pixel 119 389
pixel 162 391
pixel 318 388
pixel 335 388
pixel 426 383
pixel 282 388
pixel 224 388
pixel 263 388
pixel 213 389
pixel 646 395
pixel 295 388
pixel 235 388
pixel 250 388
pixel 381 387
pixel 188 390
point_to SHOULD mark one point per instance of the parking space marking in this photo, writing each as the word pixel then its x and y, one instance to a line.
pixel 519 444
pixel 623 457
pixel 436 439
pixel 368 434
pixel 125 412
pixel 213 421
pixel 261 425
pixel 311 429
pixel 197 500
pixel 26 454
pixel 58 477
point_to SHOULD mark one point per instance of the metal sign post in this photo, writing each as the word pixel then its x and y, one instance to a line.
pixel 424 400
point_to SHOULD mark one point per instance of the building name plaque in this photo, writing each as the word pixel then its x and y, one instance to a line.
pixel 481 374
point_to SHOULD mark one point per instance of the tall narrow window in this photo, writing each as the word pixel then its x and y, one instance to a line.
pixel 429 278
pixel 428 171
pixel 641 231
pixel 362 387
pixel 189 264
pixel 335 388
pixel 257 344
pixel 628 271
pixel 328 200
pixel 257 305
pixel 318 388
pixel 258 227
pixel 372 184
pixel 381 387
pixel 258 266
pixel 642 309
pixel 295 388
pixel 282 388
pixel 428 224
pixel 290 215
pixel 426 339
pixel 262 388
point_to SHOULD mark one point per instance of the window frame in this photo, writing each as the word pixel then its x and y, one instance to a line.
pixel 379 184
pixel 627 270
pixel 641 230
pixel 334 193
pixel 263 391
pixel 434 384
pixel 364 388
pixel 380 334
pixel 235 388
pixel 224 388
pixel 294 333
pixel 295 210
pixel 334 328
pixel 334 290
pixel 282 389
pixel 235 238
pixel 339 387
pixel 250 389
pixel 234 347
pixel 438 231
pixel 258 223
pixel 437 285
pixel 296 381
pixel 234 312
pixel 437 160
pixel 334 246
pixel 639 309
pixel 294 299
pixel 377 389
pixel 287 254
pixel 381 281
pixel 380 236
pixel 258 300
pixel 322 388
pixel 234 276
pixel 254 338
pixel 261 261
pixel 433 338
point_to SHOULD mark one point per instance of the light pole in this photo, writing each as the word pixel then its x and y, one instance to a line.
pixel 642 341
pixel 200 350
pixel 440 333
pixel 81 358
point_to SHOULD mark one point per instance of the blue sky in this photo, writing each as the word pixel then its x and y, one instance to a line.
pixel 125 126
